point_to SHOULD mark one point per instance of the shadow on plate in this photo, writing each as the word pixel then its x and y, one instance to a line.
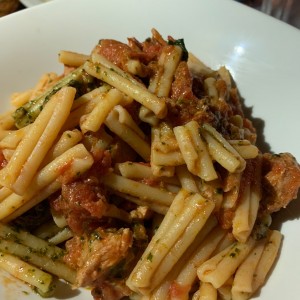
pixel 65 291
pixel 290 213
pixel 259 125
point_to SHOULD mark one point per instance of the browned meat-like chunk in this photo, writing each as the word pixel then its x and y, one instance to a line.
pixel 120 53
pixel 111 290
pixel 183 83
pixel 82 203
pixel 95 255
pixel 183 105
pixel 116 52
pixel 281 180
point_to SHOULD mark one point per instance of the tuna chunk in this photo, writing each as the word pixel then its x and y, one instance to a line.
pixel 281 180
pixel 96 255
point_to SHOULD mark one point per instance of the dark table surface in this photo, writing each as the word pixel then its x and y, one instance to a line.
pixel 286 10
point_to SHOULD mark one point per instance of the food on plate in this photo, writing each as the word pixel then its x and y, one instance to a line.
pixel 136 174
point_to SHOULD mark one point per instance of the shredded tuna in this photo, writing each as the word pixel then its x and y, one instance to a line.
pixel 111 290
pixel 82 203
pixel 97 254
pixel 120 53
pixel 182 86
pixel 281 180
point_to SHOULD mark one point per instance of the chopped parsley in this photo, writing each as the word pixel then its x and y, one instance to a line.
pixel 180 43
pixel 150 257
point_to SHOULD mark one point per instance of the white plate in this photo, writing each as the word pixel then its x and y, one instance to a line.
pixel 30 3
pixel 261 52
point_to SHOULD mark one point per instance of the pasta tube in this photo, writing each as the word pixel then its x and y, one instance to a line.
pixel 222 151
pixel 67 140
pixel 176 232
pixel 244 148
pixel 94 120
pixel 186 179
pixel 203 252
pixel 52 266
pixel 194 151
pixel 164 147
pixel 156 207
pixel 30 152
pixel 178 282
pixel 138 189
pixel 120 122
pixel 242 283
pixel 37 244
pixel 133 90
pixel 13 138
pixel 148 116
pixel 247 209
pixel 62 236
pixel 20 269
pixel 267 259
pixel 135 170
pixel 6 121
pixel 47 181
pixel 72 59
pixel 218 269
pixel 4 192
pixel 206 292
pixel 168 61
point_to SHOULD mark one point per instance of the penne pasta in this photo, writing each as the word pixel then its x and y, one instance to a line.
pixel 28 273
pixel 156 256
pixel 120 122
pixel 194 151
pixel 187 179
pixel 267 259
pixel 243 279
pixel 20 99
pixel 94 120
pixel 49 265
pixel 131 89
pixel 33 147
pixel 72 59
pixel 206 292
pixel 168 61
pixel 13 138
pixel 247 209
pixel 218 269
pixel 138 189
pixel 164 147
pixel 222 151
pixel 245 148
pixel 47 181
pixel 135 174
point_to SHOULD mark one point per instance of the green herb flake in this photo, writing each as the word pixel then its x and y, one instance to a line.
pixel 235 252
pixel 150 257
pixel 180 43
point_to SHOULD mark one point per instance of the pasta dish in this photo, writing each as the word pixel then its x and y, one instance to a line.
pixel 136 173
